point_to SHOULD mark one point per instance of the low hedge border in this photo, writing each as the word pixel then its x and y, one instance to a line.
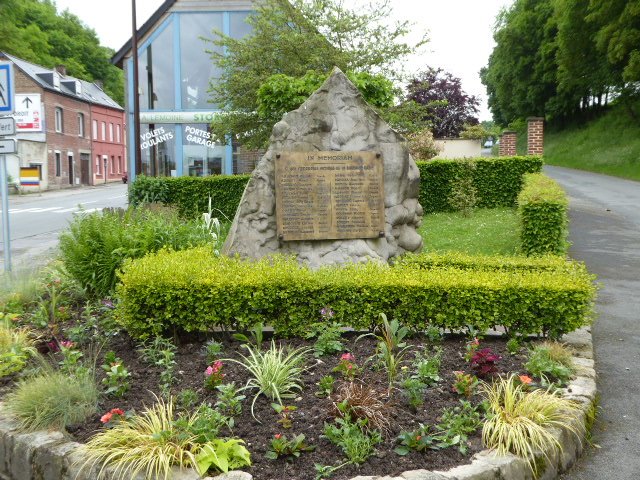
pixel 542 213
pixel 192 290
pixel 49 455
pixel 497 182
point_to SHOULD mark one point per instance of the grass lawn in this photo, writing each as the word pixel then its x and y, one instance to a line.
pixel 491 231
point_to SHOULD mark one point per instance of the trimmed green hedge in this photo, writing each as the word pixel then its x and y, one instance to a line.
pixel 497 180
pixel 542 211
pixel 190 195
pixel 194 291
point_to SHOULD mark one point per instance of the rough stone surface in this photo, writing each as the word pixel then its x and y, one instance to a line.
pixel 24 447
pixel 582 386
pixel 334 118
pixel 235 475
pixel 421 475
pixel 48 462
pixel 509 466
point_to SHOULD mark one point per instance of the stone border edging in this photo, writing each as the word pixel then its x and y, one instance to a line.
pixel 46 455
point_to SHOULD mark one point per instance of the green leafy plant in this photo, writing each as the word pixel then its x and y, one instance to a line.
pixel 224 455
pixel 551 360
pixel 165 359
pixel 433 334
pixel 427 367
pixel 204 425
pixel 348 366
pixel 329 341
pixel 281 446
pixel 413 389
pixel 325 386
pixel 391 347
pixel 275 372
pixel 285 412
pixel 53 400
pixel 513 345
pixel 229 400
pixel 151 352
pixel 187 399
pixel 213 350
pixel 16 348
pixel 521 422
pixel 458 423
pixel 117 379
pixel 354 439
pixel 256 336
pixel 464 384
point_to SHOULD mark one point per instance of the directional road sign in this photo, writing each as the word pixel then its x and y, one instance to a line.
pixel 6 88
pixel 7 146
pixel 7 126
pixel 28 112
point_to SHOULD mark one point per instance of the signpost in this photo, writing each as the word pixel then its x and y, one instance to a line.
pixel 7 106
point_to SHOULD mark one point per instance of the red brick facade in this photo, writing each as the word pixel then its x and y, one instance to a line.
pixel 507 143
pixel 107 132
pixel 535 136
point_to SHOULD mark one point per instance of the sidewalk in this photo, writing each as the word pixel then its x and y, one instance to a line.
pixel 27 197
pixel 605 234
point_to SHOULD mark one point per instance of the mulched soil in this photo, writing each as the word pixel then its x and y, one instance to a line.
pixel 312 412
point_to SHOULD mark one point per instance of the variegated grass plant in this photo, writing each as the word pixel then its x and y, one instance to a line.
pixel 521 422
pixel 148 443
pixel 276 372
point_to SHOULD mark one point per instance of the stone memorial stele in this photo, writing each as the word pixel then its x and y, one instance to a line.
pixel 334 125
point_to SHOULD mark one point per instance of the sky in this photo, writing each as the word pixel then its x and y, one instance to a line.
pixel 460 32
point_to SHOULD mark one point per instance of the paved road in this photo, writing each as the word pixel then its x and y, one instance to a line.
pixel 605 232
pixel 36 219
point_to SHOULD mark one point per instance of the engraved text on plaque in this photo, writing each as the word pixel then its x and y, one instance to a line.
pixel 329 195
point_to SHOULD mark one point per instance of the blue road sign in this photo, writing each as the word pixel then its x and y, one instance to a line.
pixel 6 88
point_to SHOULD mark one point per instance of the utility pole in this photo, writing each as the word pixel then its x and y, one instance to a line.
pixel 136 96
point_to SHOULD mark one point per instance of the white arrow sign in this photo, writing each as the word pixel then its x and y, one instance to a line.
pixel 6 88
pixel 7 146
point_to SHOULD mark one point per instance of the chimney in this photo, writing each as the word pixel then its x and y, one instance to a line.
pixel 61 69
pixel 508 144
pixel 535 135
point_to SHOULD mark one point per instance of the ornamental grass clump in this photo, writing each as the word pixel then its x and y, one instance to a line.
pixel 148 443
pixel 276 372
pixel 53 400
pixel 521 422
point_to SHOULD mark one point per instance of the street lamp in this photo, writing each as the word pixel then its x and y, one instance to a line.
pixel 136 97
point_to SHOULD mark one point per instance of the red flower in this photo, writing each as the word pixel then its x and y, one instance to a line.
pixel 525 379
pixel 277 436
pixel 106 418
pixel 116 411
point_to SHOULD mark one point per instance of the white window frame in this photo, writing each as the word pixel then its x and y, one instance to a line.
pixel 94 125
pixel 81 125
pixel 104 131
pixel 111 132
pixel 58 120
pixel 118 133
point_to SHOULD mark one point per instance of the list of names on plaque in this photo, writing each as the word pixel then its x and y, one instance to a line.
pixel 329 195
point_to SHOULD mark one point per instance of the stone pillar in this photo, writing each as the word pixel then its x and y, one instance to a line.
pixel 535 135
pixel 507 144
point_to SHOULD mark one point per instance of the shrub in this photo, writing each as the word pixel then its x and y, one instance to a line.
pixel 422 146
pixel 190 195
pixel 497 181
pixel 542 212
pixel 520 422
pixel 96 244
pixel 53 400
pixel 195 291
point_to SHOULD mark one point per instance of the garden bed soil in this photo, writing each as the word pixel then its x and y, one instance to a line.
pixel 312 412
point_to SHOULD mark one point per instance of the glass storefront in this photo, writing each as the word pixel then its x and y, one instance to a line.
pixel 175 72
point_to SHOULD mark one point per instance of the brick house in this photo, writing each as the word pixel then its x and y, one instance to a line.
pixel 57 139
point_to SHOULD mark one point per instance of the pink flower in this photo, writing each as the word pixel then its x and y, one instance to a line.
pixel 209 371
pixel 277 436
pixel 106 418
pixel 67 344
pixel 217 366
pixel 347 357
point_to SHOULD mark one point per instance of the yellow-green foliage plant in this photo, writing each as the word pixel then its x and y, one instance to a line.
pixel 193 290
pixel 147 443
pixel 53 400
pixel 16 348
pixel 521 421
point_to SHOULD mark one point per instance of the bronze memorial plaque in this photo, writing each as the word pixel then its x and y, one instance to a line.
pixel 329 195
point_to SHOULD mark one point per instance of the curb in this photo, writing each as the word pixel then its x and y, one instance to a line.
pixel 46 455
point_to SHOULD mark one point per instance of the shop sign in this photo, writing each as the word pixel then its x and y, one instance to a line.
pixel 201 137
pixel 154 137
pixel 178 117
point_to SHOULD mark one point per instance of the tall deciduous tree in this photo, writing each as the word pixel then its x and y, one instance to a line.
pixel 449 106
pixel 294 37
pixel 35 31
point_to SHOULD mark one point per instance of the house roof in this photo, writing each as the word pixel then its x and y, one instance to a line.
pixel 88 92
pixel 118 58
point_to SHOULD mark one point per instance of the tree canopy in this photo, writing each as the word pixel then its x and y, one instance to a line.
pixel 562 58
pixel 294 37
pixel 34 31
